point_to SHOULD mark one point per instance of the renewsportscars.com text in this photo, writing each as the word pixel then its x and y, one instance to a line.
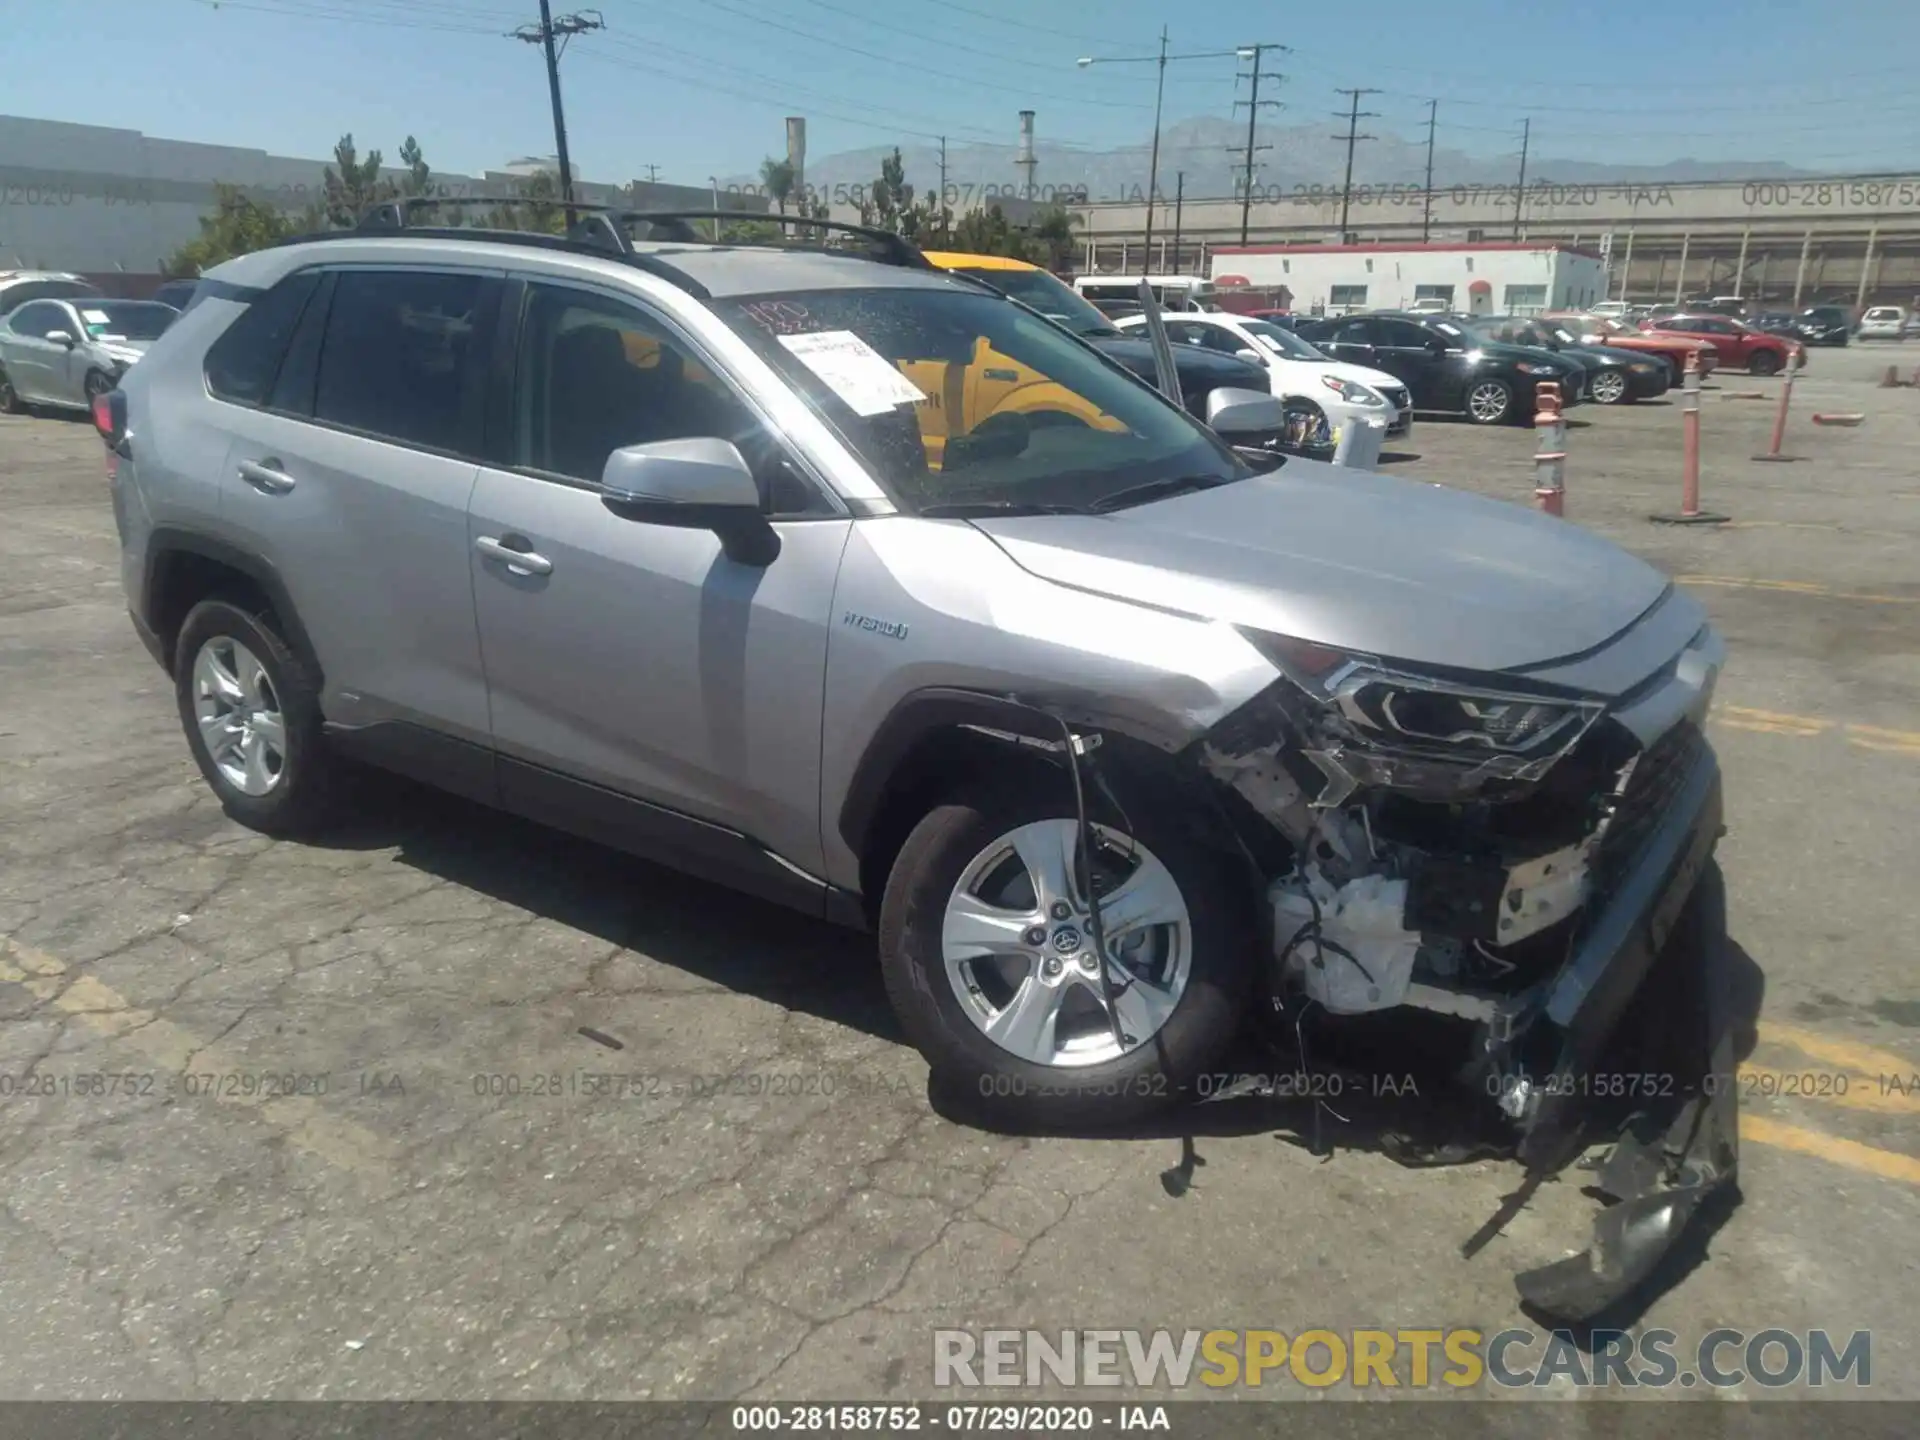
pixel 1456 1358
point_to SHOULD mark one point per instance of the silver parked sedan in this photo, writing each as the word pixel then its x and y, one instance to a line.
pixel 65 352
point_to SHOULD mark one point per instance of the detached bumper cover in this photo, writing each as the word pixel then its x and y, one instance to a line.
pixel 1682 1148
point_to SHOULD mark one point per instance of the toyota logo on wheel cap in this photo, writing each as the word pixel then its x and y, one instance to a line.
pixel 1066 940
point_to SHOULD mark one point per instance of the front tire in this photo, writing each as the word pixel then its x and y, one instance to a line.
pixel 97 383
pixel 251 712
pixel 10 401
pixel 1763 363
pixel 987 962
pixel 1610 387
pixel 1489 402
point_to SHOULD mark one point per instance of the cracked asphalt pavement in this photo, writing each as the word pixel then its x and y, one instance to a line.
pixel 325 1121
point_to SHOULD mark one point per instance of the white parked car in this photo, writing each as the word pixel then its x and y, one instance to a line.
pixel 1430 305
pixel 1611 309
pixel 1295 368
pixel 1885 322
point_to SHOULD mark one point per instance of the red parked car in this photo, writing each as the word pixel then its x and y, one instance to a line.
pixel 1740 346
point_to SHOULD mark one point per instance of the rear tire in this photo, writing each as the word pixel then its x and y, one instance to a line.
pixel 1763 363
pixel 251 712
pixel 928 894
pixel 10 401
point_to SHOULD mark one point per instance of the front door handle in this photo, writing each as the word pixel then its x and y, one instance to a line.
pixel 520 562
pixel 266 476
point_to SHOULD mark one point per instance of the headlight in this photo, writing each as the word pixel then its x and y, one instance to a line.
pixel 1366 707
pixel 1351 391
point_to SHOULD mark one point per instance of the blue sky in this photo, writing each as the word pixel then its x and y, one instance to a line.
pixel 697 87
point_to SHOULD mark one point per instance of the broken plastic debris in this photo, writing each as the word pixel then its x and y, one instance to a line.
pixel 180 920
pixel 356 1344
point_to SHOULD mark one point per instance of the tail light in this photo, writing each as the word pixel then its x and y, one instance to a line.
pixel 109 416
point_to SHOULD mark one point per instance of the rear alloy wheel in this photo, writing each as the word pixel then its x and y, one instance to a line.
pixel 989 958
pixel 1489 402
pixel 1763 362
pixel 1609 387
pixel 251 713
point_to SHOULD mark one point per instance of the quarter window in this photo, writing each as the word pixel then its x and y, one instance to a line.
pixel 394 362
pixel 241 364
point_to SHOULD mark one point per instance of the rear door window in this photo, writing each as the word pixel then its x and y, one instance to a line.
pixel 401 357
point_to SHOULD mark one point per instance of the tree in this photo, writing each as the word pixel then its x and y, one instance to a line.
pixel 1051 234
pixel 538 208
pixel 238 224
pixel 777 176
pixel 989 232
pixel 752 232
pixel 355 186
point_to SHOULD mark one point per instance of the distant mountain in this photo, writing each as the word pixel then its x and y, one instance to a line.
pixel 1207 150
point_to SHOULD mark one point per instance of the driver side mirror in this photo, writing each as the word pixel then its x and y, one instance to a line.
pixel 60 337
pixel 699 484
pixel 1436 346
pixel 1250 355
pixel 1233 413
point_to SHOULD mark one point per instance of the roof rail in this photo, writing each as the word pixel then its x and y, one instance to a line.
pixel 889 248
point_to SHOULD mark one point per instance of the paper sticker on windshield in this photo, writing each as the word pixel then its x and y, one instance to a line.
pixel 854 370
pixel 95 317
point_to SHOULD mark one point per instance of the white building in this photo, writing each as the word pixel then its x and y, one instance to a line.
pixel 1483 279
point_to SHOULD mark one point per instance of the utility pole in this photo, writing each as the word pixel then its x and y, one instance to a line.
pixel 943 189
pixel 566 27
pixel 1520 194
pixel 653 174
pixel 1426 213
pixel 1353 136
pixel 1253 104
pixel 1179 199
pixel 1153 164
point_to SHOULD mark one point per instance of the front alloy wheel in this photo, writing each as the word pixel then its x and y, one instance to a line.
pixel 989 959
pixel 1489 402
pixel 97 384
pixel 10 403
pixel 1609 387
pixel 1019 953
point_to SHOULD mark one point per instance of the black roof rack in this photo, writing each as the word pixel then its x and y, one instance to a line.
pixel 610 229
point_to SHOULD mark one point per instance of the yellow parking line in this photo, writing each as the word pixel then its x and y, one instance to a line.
pixel 104 1010
pixel 1795 587
pixel 1887 1164
pixel 1849 1092
pixel 1848 1054
pixel 1892 742
pixel 1741 717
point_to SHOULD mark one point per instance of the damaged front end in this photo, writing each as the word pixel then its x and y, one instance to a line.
pixel 1517 854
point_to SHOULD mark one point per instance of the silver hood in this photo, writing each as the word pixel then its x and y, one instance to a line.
pixel 1356 560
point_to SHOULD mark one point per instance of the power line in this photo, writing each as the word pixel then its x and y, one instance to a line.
pixel 1253 104
pixel 1352 137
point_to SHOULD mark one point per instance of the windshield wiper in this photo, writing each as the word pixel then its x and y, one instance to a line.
pixel 977 509
pixel 1156 490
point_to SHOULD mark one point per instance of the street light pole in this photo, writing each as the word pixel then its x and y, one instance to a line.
pixel 1160 60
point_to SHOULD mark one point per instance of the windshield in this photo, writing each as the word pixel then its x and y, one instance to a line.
pixel 1048 294
pixel 1509 332
pixel 955 398
pixel 1283 342
pixel 126 319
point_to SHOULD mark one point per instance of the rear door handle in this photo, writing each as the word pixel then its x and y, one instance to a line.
pixel 266 476
pixel 521 562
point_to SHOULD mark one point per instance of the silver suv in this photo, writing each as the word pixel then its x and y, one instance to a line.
pixel 862 588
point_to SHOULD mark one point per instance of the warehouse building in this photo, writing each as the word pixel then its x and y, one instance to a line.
pixel 1482 279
